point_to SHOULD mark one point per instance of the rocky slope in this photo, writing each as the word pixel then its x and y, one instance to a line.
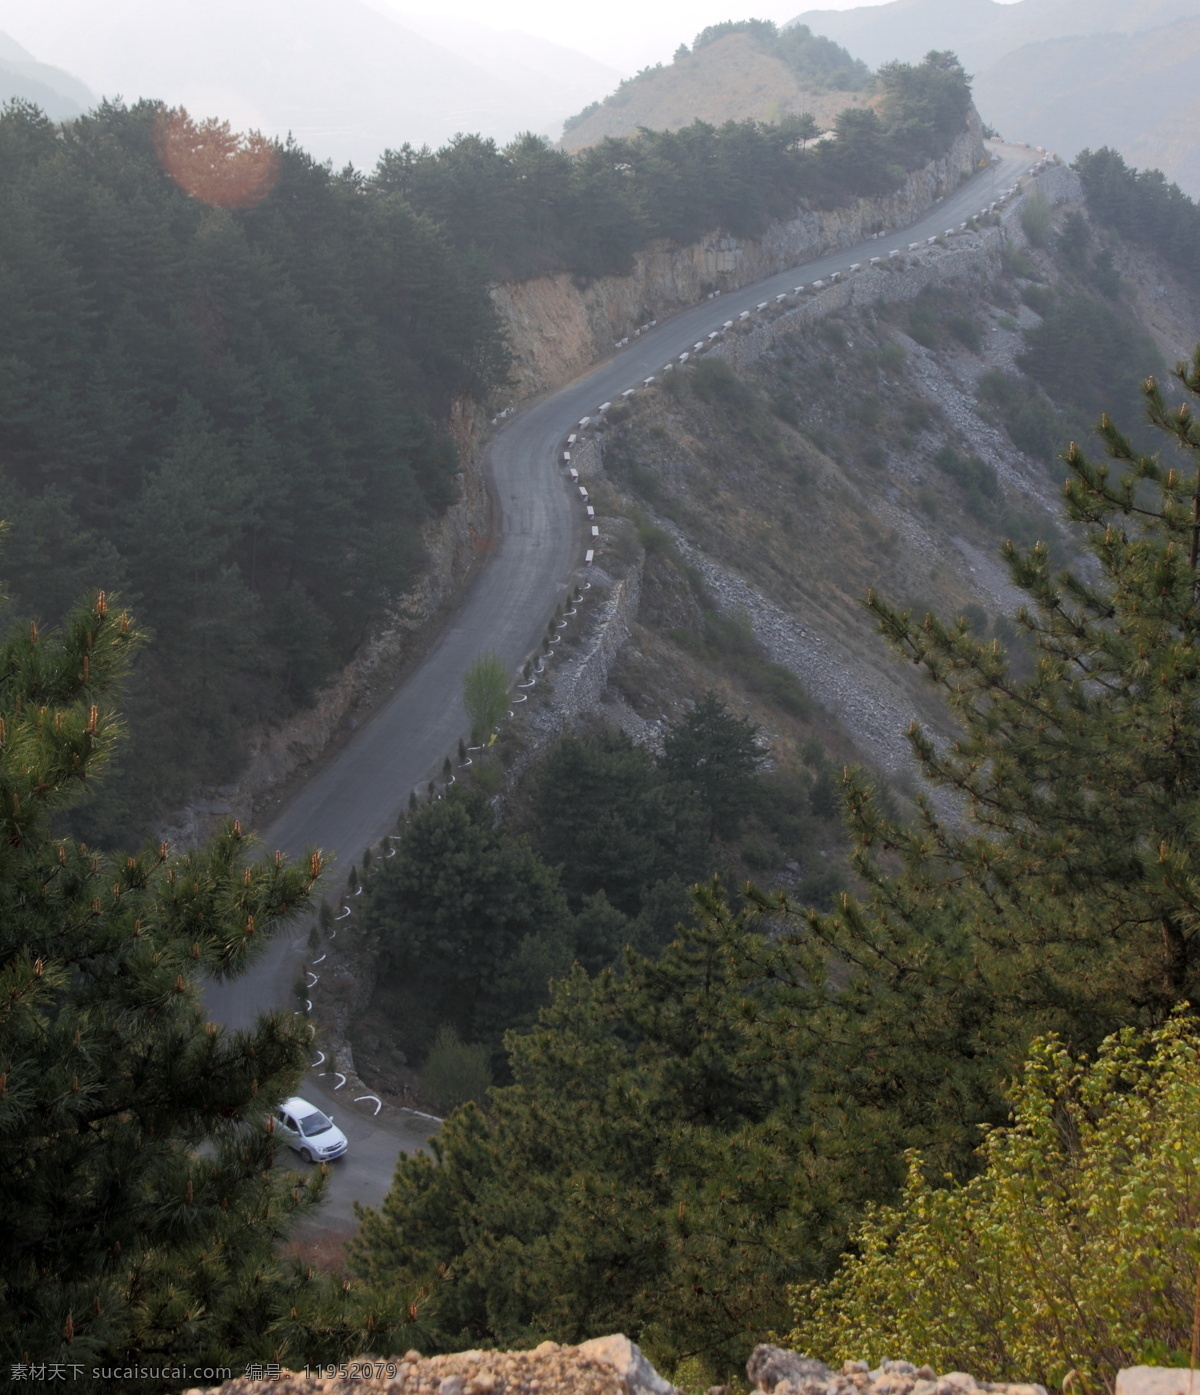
pixel 556 329
pixel 838 443
pixel 603 1366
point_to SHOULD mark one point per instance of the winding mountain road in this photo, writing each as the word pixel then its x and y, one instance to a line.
pixel 351 802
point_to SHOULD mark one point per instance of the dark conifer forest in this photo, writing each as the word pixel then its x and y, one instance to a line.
pixel 227 401
pixel 229 415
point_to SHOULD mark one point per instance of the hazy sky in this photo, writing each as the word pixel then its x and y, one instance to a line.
pixel 629 34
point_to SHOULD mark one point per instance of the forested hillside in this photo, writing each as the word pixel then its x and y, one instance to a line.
pixel 531 209
pixel 231 415
pixel 228 370
pixel 692 1129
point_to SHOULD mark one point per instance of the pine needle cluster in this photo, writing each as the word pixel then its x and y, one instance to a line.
pixel 142 1206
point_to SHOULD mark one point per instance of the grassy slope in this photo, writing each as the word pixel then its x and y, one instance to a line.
pixel 730 80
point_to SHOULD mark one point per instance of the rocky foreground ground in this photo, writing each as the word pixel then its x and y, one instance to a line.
pixel 604 1366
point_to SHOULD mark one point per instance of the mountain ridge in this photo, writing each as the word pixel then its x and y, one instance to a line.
pixel 22 77
pixel 347 79
pixel 1062 73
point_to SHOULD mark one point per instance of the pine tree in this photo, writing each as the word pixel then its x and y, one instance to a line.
pixel 716 755
pixel 682 1139
pixel 651 1170
pixel 1064 891
pixel 141 1208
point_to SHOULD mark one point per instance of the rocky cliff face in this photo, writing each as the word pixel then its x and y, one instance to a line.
pixel 557 329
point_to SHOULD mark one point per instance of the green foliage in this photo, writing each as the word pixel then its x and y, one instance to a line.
pixel 893 356
pixel 764 31
pixel 712 380
pixel 818 62
pixel 143 1211
pixel 234 414
pixel 732 637
pixel 1074 240
pixel 471 924
pixel 966 331
pixel 1074 1249
pixel 1064 901
pixel 681 1139
pixel 862 151
pixel 1031 422
pixel 1105 276
pixel 923 323
pixel 486 685
pixel 1040 299
pixel 979 481
pixel 1016 263
pixel 611 821
pixel 641 1175
pixel 528 209
pixel 924 104
pixel 715 755
pixel 1087 355
pixel 454 1072
pixel 1144 207
pixel 1037 218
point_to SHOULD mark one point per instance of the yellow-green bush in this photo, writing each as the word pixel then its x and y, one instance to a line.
pixel 1076 1247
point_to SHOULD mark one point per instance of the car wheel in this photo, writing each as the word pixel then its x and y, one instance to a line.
pixel 306 1155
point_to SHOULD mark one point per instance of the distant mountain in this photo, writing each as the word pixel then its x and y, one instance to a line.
pixel 983 31
pixel 1135 92
pixel 555 81
pixel 347 78
pixel 58 94
pixel 732 79
pixel 1067 74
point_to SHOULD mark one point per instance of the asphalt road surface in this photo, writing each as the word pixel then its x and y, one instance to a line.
pixel 351 802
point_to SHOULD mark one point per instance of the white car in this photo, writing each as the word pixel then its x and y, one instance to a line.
pixel 312 1134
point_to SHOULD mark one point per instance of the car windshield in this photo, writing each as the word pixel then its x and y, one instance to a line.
pixel 316 1122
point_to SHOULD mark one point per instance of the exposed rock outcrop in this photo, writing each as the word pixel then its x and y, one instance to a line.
pixel 557 328
pixel 604 1366
pixel 780 1372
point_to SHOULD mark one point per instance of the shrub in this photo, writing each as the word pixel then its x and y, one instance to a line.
pixel 1036 219
pixel 783 404
pixel 978 479
pixel 965 331
pixel 870 413
pixel 892 356
pixel 1016 263
pixel 712 380
pixel 1076 1249
pixel 455 1072
pixel 1040 299
pixel 923 325
pixel 1031 422
pixel 485 693
pixel 917 415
